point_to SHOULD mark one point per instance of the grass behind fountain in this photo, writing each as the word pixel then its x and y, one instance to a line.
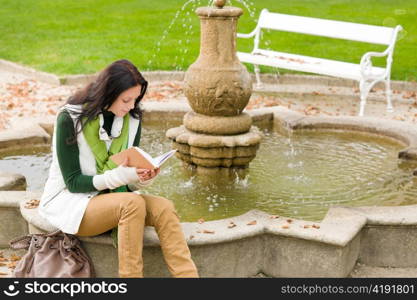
pixel 74 37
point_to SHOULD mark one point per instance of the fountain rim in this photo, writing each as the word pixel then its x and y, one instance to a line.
pixel 380 215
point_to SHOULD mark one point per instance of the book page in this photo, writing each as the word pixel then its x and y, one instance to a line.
pixel 159 160
pixel 146 155
pixel 136 158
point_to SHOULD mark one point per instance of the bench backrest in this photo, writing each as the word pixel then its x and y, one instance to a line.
pixel 328 28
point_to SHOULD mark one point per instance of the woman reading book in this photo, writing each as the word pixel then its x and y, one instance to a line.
pixel 87 193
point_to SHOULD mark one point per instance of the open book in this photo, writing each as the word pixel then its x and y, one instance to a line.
pixel 138 158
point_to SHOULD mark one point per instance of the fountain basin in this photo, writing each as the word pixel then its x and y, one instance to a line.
pixel 377 236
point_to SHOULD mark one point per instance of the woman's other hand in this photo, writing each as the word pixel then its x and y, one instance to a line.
pixel 147 174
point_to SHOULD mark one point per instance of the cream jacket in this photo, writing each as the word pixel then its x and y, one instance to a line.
pixel 58 206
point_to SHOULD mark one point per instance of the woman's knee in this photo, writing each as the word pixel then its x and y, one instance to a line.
pixel 133 201
pixel 159 205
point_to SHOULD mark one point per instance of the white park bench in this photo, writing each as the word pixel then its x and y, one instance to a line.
pixel 364 72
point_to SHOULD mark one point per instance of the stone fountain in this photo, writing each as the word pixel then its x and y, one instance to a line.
pixel 217 136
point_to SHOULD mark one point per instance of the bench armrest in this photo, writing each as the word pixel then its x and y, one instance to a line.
pixel 369 55
pixel 366 60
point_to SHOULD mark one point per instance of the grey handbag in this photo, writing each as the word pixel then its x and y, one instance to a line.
pixel 55 254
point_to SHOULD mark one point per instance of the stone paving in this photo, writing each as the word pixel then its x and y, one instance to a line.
pixel 24 99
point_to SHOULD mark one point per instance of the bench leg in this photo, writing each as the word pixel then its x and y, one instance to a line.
pixel 258 77
pixel 364 91
pixel 390 109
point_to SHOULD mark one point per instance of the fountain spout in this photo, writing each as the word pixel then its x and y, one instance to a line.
pixel 220 3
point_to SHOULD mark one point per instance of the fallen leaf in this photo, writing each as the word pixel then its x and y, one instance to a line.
pixel 285 226
pixel 12 265
pixel 3 259
pixel 200 221
pixel 252 222
pixel 315 226
pixel 306 226
pixel 231 225
pixel 208 231
pixel 15 257
pixel 317 93
pixel 2 264
pixel 32 203
pixel 289 220
pixel 409 94
pixel 311 110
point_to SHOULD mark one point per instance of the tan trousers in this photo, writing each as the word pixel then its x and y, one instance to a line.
pixel 131 212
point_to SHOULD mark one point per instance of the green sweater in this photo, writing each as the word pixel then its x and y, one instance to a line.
pixel 68 155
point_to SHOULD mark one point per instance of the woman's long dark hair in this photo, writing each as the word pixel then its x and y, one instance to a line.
pixel 100 94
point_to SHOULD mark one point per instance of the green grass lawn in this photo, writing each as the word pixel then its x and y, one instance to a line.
pixel 73 36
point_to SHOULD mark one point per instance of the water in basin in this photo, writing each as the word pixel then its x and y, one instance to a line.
pixel 299 176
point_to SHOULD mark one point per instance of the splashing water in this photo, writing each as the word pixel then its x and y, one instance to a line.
pixel 157 48
pixel 242 182
pixel 184 14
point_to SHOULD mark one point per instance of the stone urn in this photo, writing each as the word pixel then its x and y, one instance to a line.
pixel 217 136
pixel 217 84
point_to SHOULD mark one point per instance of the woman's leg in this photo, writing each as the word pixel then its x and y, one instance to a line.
pixel 126 210
pixel 160 213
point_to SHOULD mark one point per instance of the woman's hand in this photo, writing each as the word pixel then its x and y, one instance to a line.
pixel 147 174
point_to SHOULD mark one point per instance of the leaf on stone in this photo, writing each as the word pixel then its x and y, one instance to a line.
pixel 316 226
pixel 317 93
pixel 306 226
pixel 409 94
pixel 32 203
pixel 208 231
pixel 285 226
pixel 231 225
pixel 15 257
pixel 252 222
pixel 311 110
pixel 289 220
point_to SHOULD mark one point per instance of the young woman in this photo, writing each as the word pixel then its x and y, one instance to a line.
pixel 87 194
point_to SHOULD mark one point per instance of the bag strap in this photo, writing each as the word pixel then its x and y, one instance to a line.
pixel 23 242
